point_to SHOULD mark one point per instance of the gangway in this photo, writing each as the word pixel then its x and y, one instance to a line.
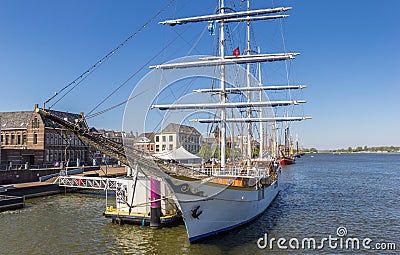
pixel 86 182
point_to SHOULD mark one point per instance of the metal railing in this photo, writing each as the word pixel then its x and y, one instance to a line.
pixel 98 183
pixel 8 167
pixel 232 171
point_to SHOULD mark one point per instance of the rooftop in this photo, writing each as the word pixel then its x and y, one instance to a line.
pixel 176 128
pixel 15 120
pixel 20 119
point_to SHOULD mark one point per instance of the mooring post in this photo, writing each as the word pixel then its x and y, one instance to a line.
pixel 155 208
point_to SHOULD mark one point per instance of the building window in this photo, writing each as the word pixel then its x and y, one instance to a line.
pixel 157 138
pixel 171 138
pixel 170 147
pixel 35 123
pixel 157 148
pixel 164 139
pixel 18 139
pixel 34 138
pixel 24 138
pixel 163 147
pixel 7 140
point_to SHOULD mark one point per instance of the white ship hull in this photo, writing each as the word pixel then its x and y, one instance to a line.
pixel 219 210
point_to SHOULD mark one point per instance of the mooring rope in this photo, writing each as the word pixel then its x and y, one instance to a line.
pixel 91 69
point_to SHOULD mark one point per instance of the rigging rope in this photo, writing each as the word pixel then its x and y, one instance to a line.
pixel 85 74
pixel 90 115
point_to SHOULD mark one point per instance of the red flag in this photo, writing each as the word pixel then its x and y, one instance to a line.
pixel 236 52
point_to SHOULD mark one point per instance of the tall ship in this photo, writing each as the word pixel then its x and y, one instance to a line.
pixel 224 97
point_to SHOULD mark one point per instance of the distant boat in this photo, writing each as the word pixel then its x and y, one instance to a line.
pixel 287 157
pixel 286 160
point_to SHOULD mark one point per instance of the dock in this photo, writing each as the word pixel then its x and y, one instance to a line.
pixel 34 189
pixel 11 202
pixel 46 188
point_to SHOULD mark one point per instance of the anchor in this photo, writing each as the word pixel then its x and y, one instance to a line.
pixel 196 214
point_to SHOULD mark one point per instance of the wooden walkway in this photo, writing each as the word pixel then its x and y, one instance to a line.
pixel 106 171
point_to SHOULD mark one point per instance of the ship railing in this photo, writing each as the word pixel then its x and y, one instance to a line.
pixel 232 171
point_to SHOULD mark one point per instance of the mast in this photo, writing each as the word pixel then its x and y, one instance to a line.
pixel 260 114
pixel 230 17
pixel 226 105
pixel 261 87
pixel 246 120
pixel 225 61
pixel 222 85
pixel 286 137
pixel 249 126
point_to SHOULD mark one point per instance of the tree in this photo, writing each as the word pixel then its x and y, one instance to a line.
pixel 255 152
pixel 205 151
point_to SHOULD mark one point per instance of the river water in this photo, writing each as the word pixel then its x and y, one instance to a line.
pixel 320 193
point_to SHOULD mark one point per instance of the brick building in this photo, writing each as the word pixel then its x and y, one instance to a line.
pixel 115 136
pixel 145 142
pixel 28 137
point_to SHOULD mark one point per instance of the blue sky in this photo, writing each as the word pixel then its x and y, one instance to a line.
pixel 349 59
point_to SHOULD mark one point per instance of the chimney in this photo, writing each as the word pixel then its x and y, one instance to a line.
pixel 36 106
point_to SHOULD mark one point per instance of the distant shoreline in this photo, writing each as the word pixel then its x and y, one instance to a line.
pixel 357 152
pixel 376 149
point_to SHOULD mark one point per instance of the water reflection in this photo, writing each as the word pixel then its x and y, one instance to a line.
pixel 319 194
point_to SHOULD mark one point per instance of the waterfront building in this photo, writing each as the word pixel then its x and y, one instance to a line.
pixel 28 138
pixel 174 136
pixel 145 143
pixel 128 138
pixel 115 136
